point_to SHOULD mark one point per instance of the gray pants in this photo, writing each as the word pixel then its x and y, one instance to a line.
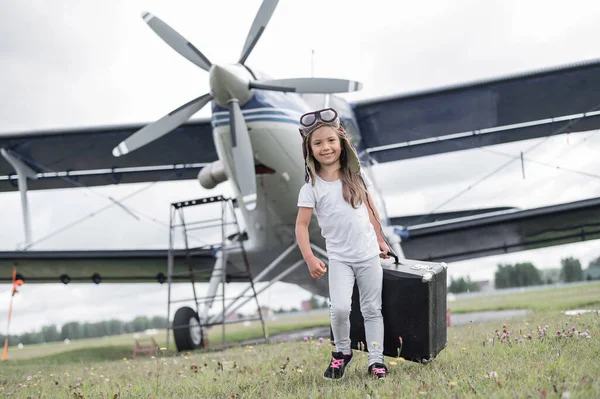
pixel 369 276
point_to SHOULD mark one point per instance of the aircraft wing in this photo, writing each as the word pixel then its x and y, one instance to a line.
pixel 69 158
pixel 122 266
pixel 439 216
pixel 500 231
pixel 503 231
pixel 512 108
pixel 519 107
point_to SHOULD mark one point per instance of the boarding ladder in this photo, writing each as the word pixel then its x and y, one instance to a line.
pixel 216 275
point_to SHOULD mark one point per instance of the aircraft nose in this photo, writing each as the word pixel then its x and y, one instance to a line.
pixel 228 82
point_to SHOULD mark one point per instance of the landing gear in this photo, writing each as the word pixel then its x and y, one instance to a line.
pixel 190 324
pixel 186 330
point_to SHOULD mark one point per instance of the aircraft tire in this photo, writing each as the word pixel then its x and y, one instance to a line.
pixel 187 330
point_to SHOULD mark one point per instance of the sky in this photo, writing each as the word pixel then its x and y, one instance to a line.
pixel 70 64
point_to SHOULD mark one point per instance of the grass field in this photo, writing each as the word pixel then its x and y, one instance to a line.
pixel 121 345
pixel 569 297
pixel 545 354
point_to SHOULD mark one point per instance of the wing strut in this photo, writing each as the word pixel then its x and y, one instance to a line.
pixel 23 172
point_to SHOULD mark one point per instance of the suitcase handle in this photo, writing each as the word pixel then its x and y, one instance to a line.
pixel 396 261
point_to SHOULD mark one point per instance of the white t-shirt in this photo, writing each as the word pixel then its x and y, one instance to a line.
pixel 348 232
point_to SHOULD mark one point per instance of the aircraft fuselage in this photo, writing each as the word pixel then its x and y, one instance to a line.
pixel 272 119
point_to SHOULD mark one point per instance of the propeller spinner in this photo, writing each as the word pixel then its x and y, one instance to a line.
pixel 228 90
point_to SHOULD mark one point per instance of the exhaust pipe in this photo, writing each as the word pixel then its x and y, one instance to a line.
pixel 212 175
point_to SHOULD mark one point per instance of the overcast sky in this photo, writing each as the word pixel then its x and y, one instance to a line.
pixel 71 64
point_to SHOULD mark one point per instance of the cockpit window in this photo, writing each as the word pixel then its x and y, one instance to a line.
pixel 346 115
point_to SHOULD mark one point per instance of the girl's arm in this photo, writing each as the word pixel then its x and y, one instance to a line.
pixel 375 221
pixel 302 223
pixel 316 267
pixel 374 218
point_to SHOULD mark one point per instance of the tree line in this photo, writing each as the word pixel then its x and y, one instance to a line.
pixel 75 330
pixel 526 274
pixel 316 302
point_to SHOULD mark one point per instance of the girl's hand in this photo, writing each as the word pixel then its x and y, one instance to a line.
pixel 383 247
pixel 316 267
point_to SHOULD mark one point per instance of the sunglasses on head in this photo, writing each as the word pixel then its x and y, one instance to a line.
pixel 311 119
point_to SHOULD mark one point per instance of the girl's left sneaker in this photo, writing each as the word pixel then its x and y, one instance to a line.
pixel 338 365
pixel 378 371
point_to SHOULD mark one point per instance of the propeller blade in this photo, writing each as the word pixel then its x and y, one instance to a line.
pixel 258 26
pixel 164 125
pixel 176 41
pixel 243 157
pixel 308 85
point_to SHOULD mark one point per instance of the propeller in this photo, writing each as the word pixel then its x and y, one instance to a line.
pixel 176 41
pixel 258 27
pixel 228 88
pixel 243 158
pixel 164 125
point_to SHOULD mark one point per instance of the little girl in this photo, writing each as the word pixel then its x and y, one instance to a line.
pixel 338 190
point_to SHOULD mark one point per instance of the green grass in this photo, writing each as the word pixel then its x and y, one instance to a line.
pixel 120 346
pixel 239 332
pixel 564 298
pixel 474 364
pixel 80 355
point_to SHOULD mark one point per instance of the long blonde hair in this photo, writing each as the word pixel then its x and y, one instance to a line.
pixel 353 189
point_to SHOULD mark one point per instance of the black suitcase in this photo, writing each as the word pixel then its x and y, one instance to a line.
pixel 413 307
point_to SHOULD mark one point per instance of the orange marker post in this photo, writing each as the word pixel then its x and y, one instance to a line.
pixel 15 284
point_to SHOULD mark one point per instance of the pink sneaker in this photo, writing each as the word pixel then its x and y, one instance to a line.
pixel 378 371
pixel 338 365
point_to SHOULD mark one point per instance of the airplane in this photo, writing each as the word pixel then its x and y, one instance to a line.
pixel 251 141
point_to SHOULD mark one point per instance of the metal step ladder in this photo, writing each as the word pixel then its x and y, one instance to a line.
pixel 199 322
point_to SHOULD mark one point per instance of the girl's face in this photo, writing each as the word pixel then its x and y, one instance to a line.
pixel 325 146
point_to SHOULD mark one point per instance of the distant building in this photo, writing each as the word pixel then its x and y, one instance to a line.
pixel 484 286
pixel 305 306
pixel 232 317
pixel 265 311
pixel 591 273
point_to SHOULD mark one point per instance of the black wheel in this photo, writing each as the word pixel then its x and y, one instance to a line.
pixel 186 330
